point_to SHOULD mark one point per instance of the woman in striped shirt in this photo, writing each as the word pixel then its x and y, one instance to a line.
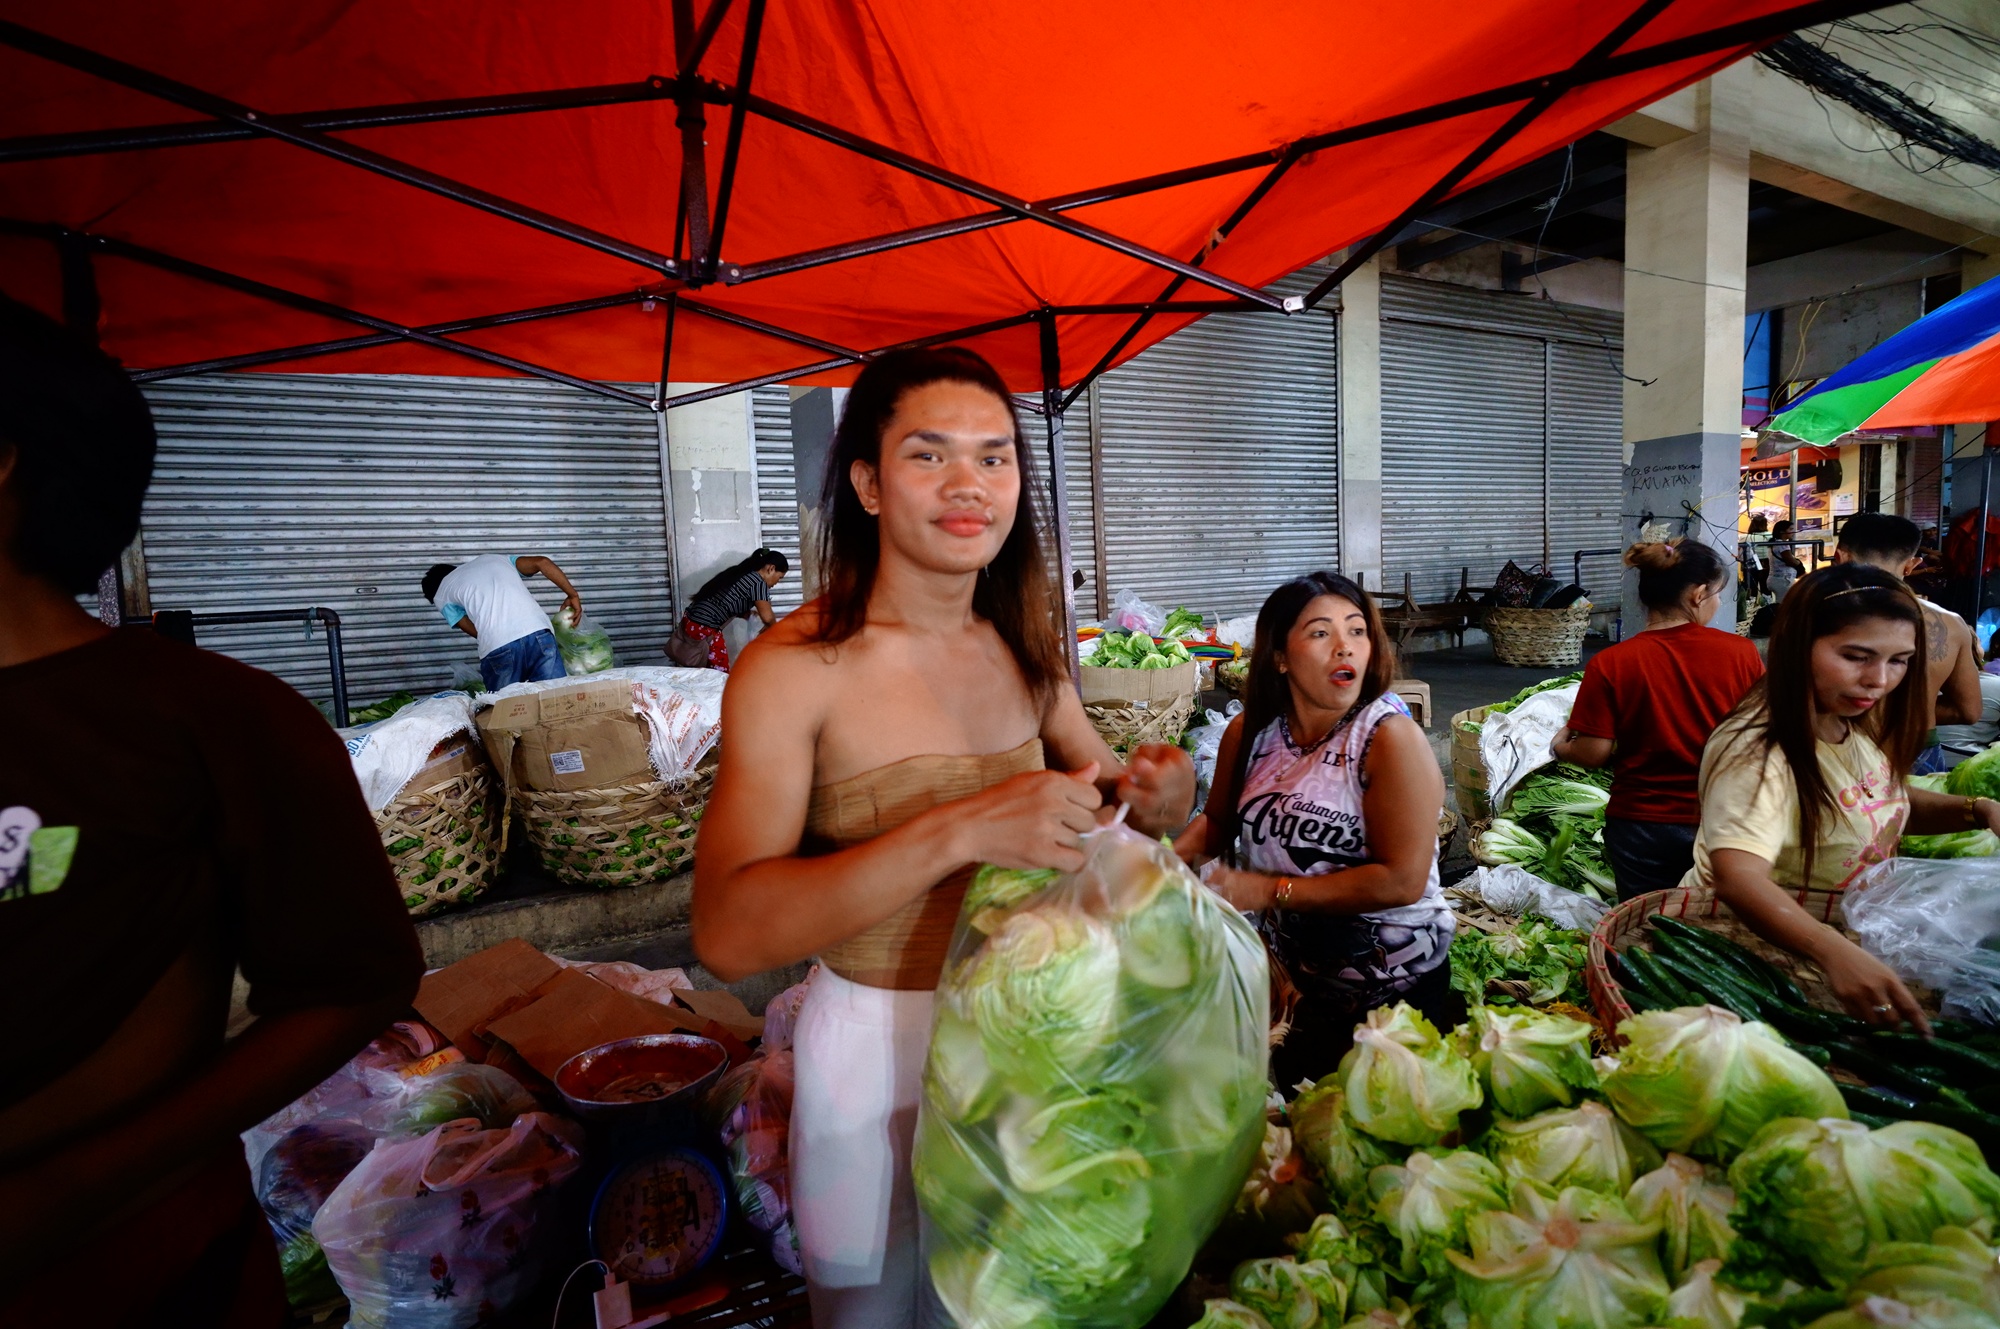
pixel 734 592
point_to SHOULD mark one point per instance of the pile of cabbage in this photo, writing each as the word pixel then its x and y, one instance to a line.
pixel 1094 1094
pixel 1976 777
pixel 1136 650
pixel 1705 1177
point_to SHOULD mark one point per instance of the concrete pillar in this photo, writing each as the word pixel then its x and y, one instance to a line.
pixel 1360 397
pixel 1686 233
pixel 711 466
pixel 815 412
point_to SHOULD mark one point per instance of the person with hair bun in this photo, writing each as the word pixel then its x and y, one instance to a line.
pixel 1649 704
pixel 1803 786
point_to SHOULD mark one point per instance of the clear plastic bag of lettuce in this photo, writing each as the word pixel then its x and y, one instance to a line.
pixel 585 647
pixel 1094 1096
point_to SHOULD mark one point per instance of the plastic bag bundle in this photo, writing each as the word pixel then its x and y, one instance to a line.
pixel 585 647
pixel 1935 922
pixel 1204 743
pixel 446 1230
pixel 1094 1096
pixel 1512 890
pixel 753 1110
pixel 1129 613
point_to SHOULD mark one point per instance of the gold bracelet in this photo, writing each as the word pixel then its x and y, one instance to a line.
pixel 1972 810
pixel 1282 897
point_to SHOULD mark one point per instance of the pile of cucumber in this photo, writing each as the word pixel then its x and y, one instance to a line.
pixel 1952 1079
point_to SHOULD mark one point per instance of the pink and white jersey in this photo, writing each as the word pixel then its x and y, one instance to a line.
pixel 1300 814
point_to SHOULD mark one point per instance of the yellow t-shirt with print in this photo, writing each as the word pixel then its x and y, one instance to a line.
pixel 1750 802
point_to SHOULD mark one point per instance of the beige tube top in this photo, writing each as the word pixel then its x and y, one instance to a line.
pixel 907 949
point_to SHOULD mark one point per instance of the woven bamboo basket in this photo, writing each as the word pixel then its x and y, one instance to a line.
pixel 1128 724
pixel 444 841
pixel 1542 638
pixel 1468 768
pixel 623 835
pixel 1631 924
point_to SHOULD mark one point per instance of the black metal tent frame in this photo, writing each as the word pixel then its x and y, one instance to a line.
pixel 700 229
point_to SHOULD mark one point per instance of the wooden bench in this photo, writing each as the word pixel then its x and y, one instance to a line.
pixel 1405 617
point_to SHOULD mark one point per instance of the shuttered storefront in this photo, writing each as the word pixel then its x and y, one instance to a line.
pixel 1218 453
pixel 777 488
pixel 1501 436
pixel 279 491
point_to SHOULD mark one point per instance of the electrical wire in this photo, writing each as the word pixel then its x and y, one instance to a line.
pixel 1535 263
pixel 555 1319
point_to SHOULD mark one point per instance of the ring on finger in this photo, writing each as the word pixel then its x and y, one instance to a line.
pixel 1884 1010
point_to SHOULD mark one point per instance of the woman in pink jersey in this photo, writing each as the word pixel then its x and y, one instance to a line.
pixel 1324 815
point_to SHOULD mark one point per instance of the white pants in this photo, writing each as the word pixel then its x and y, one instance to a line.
pixel 859 1053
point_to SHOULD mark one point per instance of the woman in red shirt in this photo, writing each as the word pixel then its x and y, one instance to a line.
pixel 1647 707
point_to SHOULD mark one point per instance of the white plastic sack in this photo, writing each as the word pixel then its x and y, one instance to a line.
pixel 388 753
pixel 1204 743
pixel 1932 920
pixel 448 1230
pixel 1240 631
pixel 1516 742
pixel 1512 890
pixel 1131 614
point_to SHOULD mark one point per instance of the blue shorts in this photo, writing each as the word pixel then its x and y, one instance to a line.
pixel 534 658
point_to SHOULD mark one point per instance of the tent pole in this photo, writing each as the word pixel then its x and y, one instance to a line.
pixel 1985 509
pixel 1580 72
pixel 796 372
pixel 667 459
pixel 279 127
pixel 311 305
pixel 281 354
pixel 746 67
pixel 692 121
pixel 1058 489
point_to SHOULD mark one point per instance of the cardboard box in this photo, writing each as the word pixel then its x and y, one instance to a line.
pixel 575 1013
pixel 458 755
pixel 462 999
pixel 584 736
pixel 1149 685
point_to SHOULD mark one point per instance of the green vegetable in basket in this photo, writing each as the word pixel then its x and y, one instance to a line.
pixel 382 709
pixel 1507 841
pixel 1549 959
pixel 1701 1080
pixel 1547 796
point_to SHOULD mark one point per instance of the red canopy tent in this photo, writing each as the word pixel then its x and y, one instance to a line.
pixel 765 190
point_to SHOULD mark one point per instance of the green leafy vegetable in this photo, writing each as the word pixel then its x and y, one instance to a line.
pixel 1222 1313
pixel 1529 1060
pixel 1354 1256
pixel 1340 1153
pixel 1403 1082
pixel 1547 795
pixel 1136 650
pixel 1182 624
pixel 1814 1196
pixel 1425 1203
pixel 1977 776
pixel 1056 1145
pixel 1549 959
pixel 1691 1203
pixel 1288 1293
pixel 1581 1146
pixel 1003 888
pixel 1703 1302
pixel 1700 1080
pixel 1953 1266
pixel 1577 1261
pixel 382 709
pixel 1043 994
pixel 1956 844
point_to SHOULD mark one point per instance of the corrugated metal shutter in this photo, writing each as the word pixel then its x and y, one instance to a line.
pixel 1220 459
pixel 1474 384
pixel 278 491
pixel 777 487
pixel 1587 451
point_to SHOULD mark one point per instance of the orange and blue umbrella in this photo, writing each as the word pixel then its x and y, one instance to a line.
pixel 1942 369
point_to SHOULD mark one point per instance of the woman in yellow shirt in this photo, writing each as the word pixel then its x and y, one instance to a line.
pixel 1803 785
